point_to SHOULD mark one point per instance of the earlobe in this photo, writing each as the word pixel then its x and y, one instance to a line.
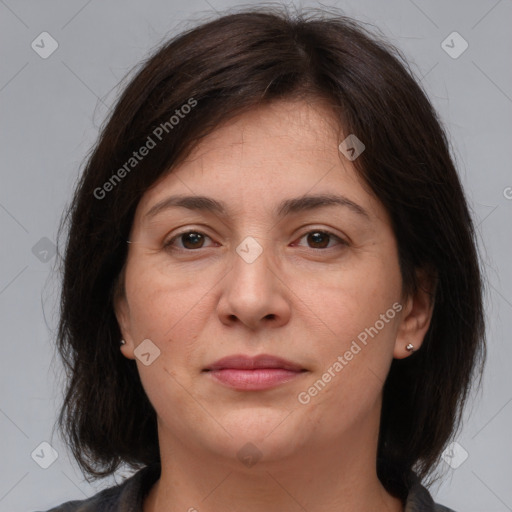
pixel 416 316
pixel 127 350
pixel 121 311
pixel 126 343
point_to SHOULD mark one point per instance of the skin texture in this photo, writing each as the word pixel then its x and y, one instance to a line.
pixel 304 298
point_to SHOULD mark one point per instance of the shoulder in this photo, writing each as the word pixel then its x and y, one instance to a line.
pixel 104 501
pixel 124 497
pixel 419 499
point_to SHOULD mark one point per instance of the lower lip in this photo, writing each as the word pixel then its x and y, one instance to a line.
pixel 261 378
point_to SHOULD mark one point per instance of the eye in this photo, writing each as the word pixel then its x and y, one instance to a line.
pixel 320 239
pixel 190 240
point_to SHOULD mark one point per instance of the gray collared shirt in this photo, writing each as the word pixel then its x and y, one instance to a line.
pixel 129 495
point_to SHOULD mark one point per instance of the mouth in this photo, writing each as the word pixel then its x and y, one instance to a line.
pixel 253 373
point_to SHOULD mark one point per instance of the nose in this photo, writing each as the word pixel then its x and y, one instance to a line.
pixel 254 294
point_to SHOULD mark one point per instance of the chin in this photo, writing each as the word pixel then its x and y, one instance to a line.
pixel 256 421
pixel 266 435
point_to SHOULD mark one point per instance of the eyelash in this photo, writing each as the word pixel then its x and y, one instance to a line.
pixel 168 244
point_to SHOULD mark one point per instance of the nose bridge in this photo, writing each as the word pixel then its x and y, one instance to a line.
pixel 254 292
pixel 251 267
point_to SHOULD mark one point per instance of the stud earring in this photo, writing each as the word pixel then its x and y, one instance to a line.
pixel 123 342
pixel 410 347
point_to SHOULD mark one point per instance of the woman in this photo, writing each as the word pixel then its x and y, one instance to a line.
pixel 271 295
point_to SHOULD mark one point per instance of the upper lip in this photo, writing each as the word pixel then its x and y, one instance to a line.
pixel 243 362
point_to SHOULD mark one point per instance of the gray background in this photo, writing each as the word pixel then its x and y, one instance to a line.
pixel 51 110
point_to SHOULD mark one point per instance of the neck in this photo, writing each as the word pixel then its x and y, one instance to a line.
pixel 315 478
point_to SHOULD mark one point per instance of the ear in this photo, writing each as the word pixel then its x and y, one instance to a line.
pixel 122 312
pixel 416 315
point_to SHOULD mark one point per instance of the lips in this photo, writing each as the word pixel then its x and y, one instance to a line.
pixel 263 361
pixel 258 373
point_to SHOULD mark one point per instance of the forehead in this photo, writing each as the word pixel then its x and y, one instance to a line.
pixel 283 149
pixel 291 128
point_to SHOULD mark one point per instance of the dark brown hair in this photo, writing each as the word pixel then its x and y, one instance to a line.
pixel 228 66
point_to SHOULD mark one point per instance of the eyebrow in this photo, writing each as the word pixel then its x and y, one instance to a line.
pixel 285 208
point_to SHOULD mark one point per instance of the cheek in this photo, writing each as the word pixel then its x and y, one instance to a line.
pixel 167 307
pixel 348 299
pixel 171 314
pixel 356 317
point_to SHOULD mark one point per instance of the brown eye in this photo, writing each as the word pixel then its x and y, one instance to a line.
pixel 321 239
pixel 190 240
pixel 318 239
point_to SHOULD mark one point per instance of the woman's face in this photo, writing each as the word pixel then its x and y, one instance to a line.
pixel 314 282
